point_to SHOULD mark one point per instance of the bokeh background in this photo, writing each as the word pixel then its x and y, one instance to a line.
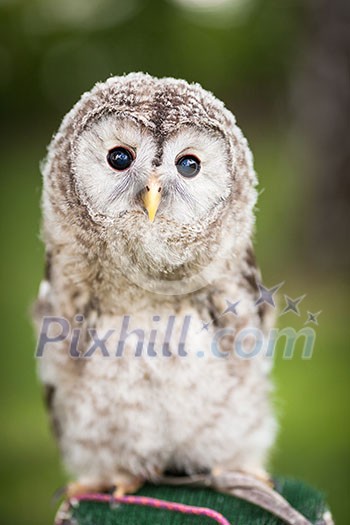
pixel 282 66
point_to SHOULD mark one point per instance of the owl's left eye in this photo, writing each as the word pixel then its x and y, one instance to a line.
pixel 120 158
pixel 188 166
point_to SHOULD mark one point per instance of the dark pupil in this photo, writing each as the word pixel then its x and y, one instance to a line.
pixel 119 158
pixel 188 166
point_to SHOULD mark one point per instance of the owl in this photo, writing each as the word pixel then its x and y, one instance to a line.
pixel 148 212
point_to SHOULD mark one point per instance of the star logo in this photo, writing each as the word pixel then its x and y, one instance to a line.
pixel 292 304
pixel 266 294
pixel 231 307
pixel 205 326
pixel 312 318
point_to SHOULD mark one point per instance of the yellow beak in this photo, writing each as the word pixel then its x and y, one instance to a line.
pixel 151 198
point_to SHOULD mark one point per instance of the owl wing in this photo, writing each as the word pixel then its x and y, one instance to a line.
pixel 214 301
pixel 49 397
pixel 42 308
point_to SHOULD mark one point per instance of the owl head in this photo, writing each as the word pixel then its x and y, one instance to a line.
pixel 151 177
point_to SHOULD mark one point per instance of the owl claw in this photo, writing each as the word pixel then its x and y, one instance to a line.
pixel 127 487
pixel 121 487
pixel 76 488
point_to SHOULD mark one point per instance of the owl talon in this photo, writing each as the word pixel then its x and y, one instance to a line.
pixel 127 487
pixel 76 488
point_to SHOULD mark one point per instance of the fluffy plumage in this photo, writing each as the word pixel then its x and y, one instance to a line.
pixel 118 419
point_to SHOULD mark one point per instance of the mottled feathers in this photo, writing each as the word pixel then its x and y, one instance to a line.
pixel 131 417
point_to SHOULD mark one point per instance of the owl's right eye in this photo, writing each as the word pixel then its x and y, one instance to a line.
pixel 120 158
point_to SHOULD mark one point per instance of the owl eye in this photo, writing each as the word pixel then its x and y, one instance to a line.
pixel 188 166
pixel 120 158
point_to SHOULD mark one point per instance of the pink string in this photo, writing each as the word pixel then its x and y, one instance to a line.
pixel 156 503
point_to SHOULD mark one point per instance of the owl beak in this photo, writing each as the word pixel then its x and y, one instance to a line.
pixel 151 198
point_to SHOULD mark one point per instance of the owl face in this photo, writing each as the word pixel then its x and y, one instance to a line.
pixel 150 176
pixel 123 168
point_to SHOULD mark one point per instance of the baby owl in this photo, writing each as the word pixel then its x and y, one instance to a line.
pixel 147 203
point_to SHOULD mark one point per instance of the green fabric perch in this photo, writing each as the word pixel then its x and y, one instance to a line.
pixel 304 498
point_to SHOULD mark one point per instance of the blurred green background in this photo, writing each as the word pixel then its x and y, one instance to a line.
pixel 282 66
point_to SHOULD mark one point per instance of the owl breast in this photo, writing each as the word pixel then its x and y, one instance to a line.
pixel 174 403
